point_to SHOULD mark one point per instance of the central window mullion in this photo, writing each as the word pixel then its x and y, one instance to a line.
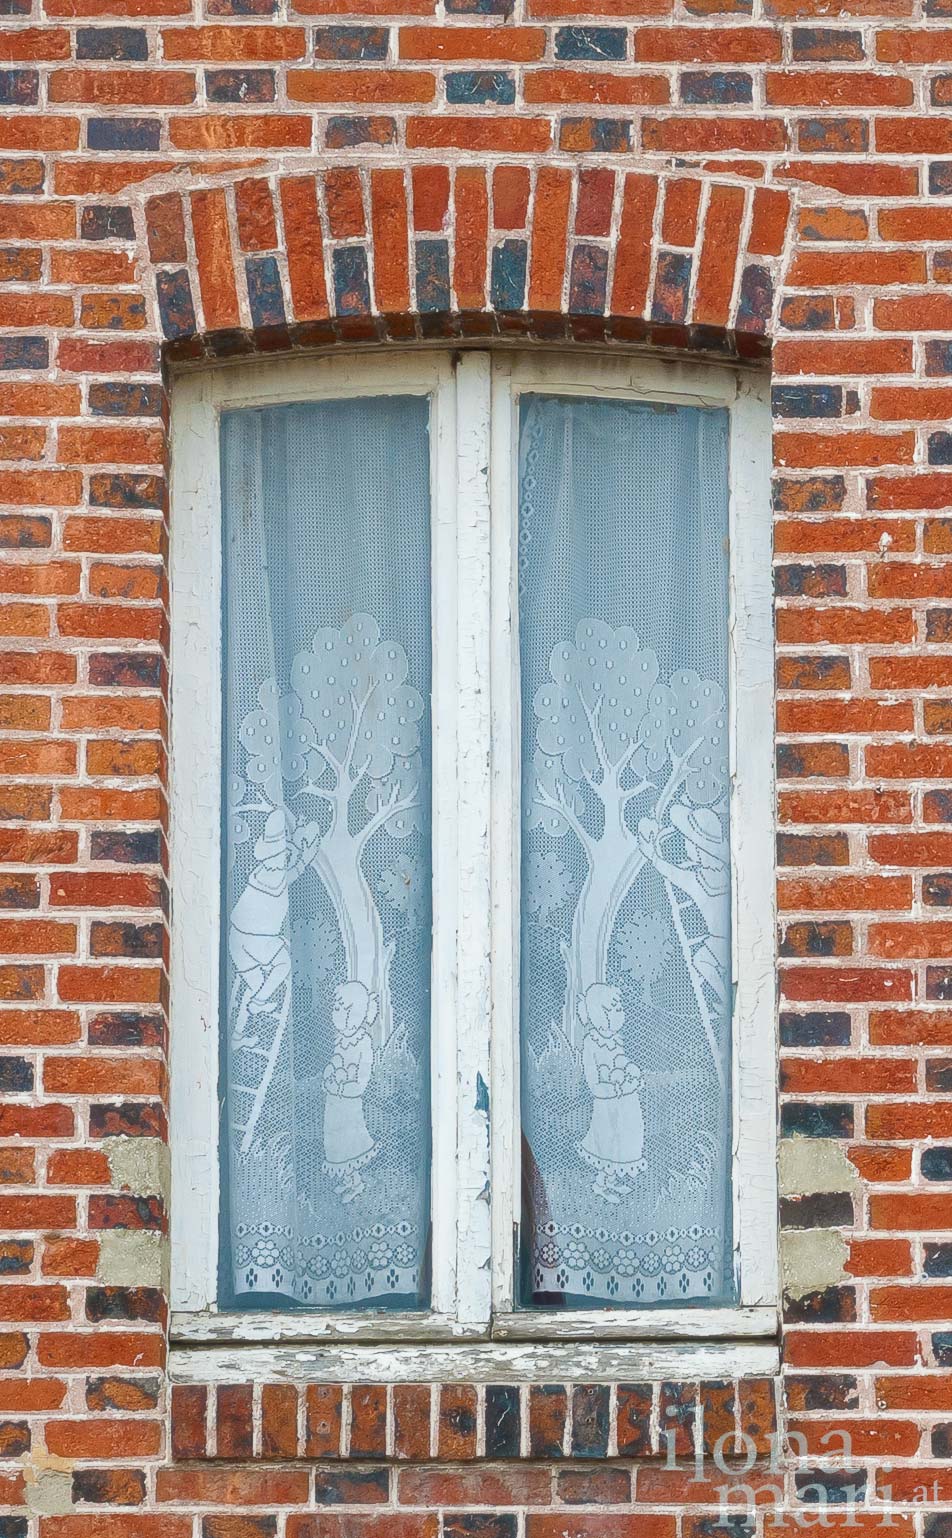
pixel 473 868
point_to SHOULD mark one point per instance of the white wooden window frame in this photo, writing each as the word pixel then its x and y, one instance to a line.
pixel 474 404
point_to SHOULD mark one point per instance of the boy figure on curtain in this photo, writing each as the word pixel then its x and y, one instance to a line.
pixel 613 1144
pixel 257 943
pixel 348 1144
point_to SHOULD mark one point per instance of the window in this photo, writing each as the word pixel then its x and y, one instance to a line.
pixel 472 971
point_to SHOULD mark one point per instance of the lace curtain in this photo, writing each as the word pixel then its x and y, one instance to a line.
pixel 326 854
pixel 625 943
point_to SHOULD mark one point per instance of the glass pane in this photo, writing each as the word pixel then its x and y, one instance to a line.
pixel 326 916
pixel 625 928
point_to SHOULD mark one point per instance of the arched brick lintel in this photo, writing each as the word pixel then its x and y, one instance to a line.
pixel 265 259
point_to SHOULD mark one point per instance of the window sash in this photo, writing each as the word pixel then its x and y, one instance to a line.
pixel 476 779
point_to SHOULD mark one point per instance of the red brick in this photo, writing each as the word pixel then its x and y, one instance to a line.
pixel 633 257
pixel 472 230
pixel 549 238
pixel 305 247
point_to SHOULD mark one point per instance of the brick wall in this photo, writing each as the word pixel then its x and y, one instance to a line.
pixel 185 183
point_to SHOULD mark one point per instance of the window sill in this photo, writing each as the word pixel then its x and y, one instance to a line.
pixel 342 1360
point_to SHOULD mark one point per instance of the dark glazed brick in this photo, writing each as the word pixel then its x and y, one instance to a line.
pixel 16 1257
pixel 176 309
pixel 14 1439
pixel 351 281
pixel 833 136
pixel 503 1421
pixel 114 490
pixel 806 400
pixel 938 1076
pixel 144 1213
pixel 140 848
pixel 936 1164
pixel 23 352
pixel 811 938
pixel 938 356
pixel 816 494
pixel 591 43
pixel 25 533
pixel 19 177
pixel 803 312
pixel 939 625
pixel 19 87
pixel 346 1487
pixel 588 280
pixel 820 1211
pixel 351 43
pixel 368 1421
pixel 103 222
pixel 346 132
pixel 816 1029
pixel 716 1416
pixel 479 7
pixel 605 135
pixel 14 1527
pixel 590 1420
pixel 939 983
pixel 937 806
pixel 813 673
pixel 16 1076
pixel 942 1348
pixel 131 1119
pixel 829 1305
pixel 937 1260
pixel 112 1487
pixel 634 1420
pixel 800 581
pixel 432 276
pixel 833 1486
pixel 116 398
pixel 940 178
pixel 756 299
pixel 125 670
pixel 508 278
pixel 139 941
pixel 672 286
pixel 127 44
pixel 733 1524
pixel 826 45
pixel 800 1119
pixel 240 85
pixel 480 88
pixel 143 1303
pixel 264 291
pixel 940 448
pixel 723 88
pixel 941 1441
pixel 831 1391
pixel 19 891
pixel 480 1524
pixel 20 265
pixel 548 1408
pixel 137 134
pixel 677 1410
pixel 457 1424
pixel 127 1394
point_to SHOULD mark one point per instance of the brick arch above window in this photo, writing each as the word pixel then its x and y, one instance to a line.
pixel 268 258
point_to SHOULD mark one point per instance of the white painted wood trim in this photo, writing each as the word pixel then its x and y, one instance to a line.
pixel 754 1043
pixel 473 1012
pixel 687 1323
pixel 506 771
pixel 195 839
pixel 443 982
pixel 534 1361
